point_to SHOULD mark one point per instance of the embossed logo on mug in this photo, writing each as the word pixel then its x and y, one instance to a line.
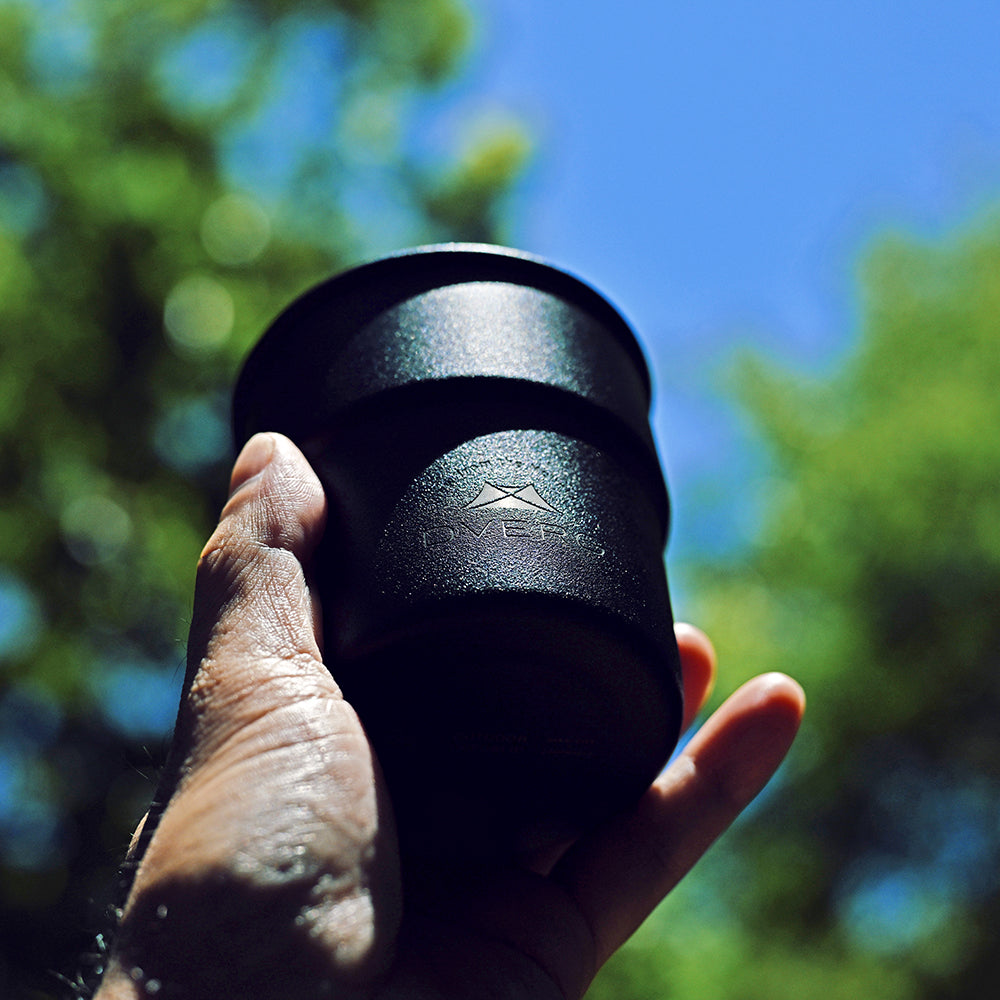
pixel 492 497
pixel 506 528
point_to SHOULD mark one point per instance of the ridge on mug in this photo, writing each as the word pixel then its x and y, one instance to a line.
pixel 495 600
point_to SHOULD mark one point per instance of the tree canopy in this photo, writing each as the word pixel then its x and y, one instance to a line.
pixel 871 867
pixel 172 172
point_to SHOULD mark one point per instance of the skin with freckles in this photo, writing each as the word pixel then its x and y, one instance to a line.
pixel 268 867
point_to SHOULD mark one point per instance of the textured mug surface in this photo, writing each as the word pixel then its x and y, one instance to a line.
pixel 494 594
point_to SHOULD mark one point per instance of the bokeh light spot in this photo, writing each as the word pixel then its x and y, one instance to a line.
pixel 23 202
pixel 192 435
pixel 20 617
pixel 199 313
pixel 217 55
pixel 235 229
pixel 95 529
pixel 138 698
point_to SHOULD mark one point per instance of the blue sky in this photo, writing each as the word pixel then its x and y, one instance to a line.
pixel 717 168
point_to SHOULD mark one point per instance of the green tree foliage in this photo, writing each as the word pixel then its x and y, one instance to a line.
pixel 172 172
pixel 872 869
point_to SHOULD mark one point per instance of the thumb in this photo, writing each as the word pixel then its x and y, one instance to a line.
pixel 270 838
pixel 253 606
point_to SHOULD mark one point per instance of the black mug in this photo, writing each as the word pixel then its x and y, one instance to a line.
pixel 494 596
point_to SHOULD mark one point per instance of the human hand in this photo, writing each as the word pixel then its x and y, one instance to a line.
pixel 268 865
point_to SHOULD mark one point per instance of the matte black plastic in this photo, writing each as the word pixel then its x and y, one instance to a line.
pixel 495 599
